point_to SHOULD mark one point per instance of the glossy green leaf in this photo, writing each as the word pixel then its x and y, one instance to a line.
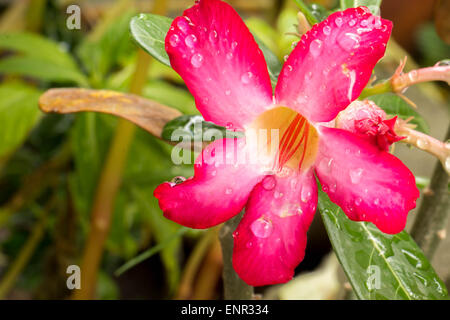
pixel 396 106
pixel 149 31
pixel 19 112
pixel 195 128
pixel 373 5
pixel 379 265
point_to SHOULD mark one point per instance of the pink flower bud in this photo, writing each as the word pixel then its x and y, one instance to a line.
pixel 367 120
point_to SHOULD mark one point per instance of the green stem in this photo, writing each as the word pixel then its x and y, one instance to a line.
pixel 25 254
pixel 234 287
pixel 431 221
pixel 107 189
pixel 379 88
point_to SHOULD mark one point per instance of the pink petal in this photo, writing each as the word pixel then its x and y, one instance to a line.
pixel 367 183
pixel 218 191
pixel 270 240
pixel 216 55
pixel 332 63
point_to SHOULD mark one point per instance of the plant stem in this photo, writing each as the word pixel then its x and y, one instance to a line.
pixel 379 88
pixel 234 287
pixel 107 189
pixel 193 263
pixel 431 221
pixel 25 254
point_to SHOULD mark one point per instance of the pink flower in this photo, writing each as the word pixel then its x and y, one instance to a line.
pixel 223 67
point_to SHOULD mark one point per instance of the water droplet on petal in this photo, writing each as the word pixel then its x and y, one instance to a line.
pixel 228 191
pixel 182 24
pixel 349 41
pixel 356 175
pixel 352 22
pixel 213 36
pixel 326 30
pixel 177 180
pixel 229 55
pixel 305 195
pixel 315 47
pixel 358 201
pixel 197 60
pixel 376 202
pixel 338 22
pixel 174 40
pixel 261 228
pixel 246 77
pixel 249 244
pixel 269 182
pixel 190 40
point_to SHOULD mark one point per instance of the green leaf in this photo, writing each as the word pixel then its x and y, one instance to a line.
pixel 19 112
pixel 149 31
pixel 40 58
pixel 273 64
pixel 195 128
pixel 41 69
pixel 366 253
pixel 396 106
pixel 373 5
pixel 36 46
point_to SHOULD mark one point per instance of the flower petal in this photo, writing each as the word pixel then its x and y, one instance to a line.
pixel 332 63
pixel 270 240
pixel 367 183
pixel 223 67
pixel 218 191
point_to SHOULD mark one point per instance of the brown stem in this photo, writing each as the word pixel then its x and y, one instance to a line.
pixel 431 221
pixel 107 189
pixel 234 287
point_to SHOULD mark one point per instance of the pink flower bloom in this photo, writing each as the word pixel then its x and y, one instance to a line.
pixel 223 67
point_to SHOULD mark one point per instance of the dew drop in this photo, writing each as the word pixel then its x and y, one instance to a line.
pixel 197 60
pixel 315 47
pixel 305 195
pixel 174 40
pixel 246 77
pixel 269 182
pixel 213 36
pixel 349 41
pixel 190 40
pixel 228 191
pixel 358 201
pixel 277 195
pixel 177 180
pixel 356 175
pixel 261 228
pixel 422 144
pixel 249 244
pixel 182 24
pixel 352 22
pixel 230 55
pixel 376 202
pixel 338 22
pixel 364 23
pixel 326 30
